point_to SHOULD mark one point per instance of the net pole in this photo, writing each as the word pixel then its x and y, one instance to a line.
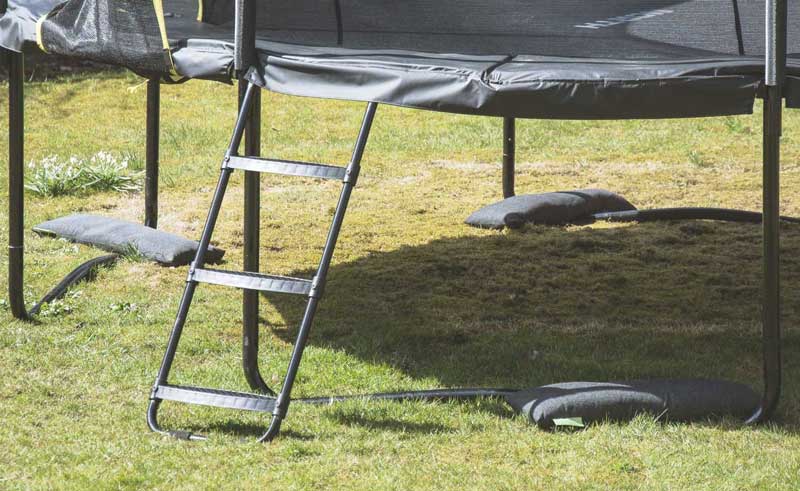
pixel 244 34
pixel 775 29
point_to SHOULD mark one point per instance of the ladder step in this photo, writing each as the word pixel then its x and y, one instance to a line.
pixel 287 167
pixel 214 397
pixel 253 281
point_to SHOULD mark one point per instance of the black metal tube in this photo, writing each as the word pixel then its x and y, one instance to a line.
pixel 509 156
pixel 252 209
pixel 16 183
pixel 75 276
pixel 688 213
pixel 771 328
pixel 152 153
pixel 284 398
pixel 461 394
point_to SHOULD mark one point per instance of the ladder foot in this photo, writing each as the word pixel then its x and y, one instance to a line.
pixel 272 431
pixel 152 422
pixel 152 416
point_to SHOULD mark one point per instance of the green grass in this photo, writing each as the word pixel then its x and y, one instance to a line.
pixel 415 300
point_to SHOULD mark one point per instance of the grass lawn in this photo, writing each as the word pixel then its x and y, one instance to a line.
pixel 416 299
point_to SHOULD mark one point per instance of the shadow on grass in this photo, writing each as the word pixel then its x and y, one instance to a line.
pixel 554 304
pixel 371 422
pixel 247 431
pixel 252 431
pixel 342 414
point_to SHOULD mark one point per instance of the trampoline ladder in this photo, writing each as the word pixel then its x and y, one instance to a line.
pixel 312 289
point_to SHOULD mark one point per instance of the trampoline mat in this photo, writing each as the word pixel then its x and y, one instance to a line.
pixel 573 59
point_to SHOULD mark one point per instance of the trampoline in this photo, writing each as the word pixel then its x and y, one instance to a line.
pixel 574 59
pixel 518 58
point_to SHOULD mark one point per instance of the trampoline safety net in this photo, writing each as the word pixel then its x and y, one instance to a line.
pixel 128 33
pixel 137 33
pixel 619 29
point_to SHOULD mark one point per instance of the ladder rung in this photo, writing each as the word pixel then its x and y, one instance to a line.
pixel 253 281
pixel 287 167
pixel 214 397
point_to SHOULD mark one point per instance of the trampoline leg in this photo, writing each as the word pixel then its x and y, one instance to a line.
pixel 252 209
pixel 151 155
pixel 16 183
pixel 191 284
pixel 509 156
pixel 318 283
pixel 16 201
pixel 771 329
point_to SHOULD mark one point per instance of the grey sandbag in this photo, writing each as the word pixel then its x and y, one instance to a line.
pixel 123 237
pixel 676 400
pixel 556 208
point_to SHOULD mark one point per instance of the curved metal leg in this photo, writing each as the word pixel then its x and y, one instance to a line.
pixel 252 209
pixel 152 422
pixel 77 275
pixel 771 328
pixel 16 187
pixel 273 430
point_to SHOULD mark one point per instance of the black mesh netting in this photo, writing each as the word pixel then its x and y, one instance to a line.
pixel 619 29
pixel 121 32
pixel 126 31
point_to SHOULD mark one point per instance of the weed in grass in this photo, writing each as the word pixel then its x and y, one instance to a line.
pixel 737 125
pixel 123 307
pixel 168 179
pixel 132 253
pixel 135 161
pixel 55 308
pixel 698 159
pixel 60 306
